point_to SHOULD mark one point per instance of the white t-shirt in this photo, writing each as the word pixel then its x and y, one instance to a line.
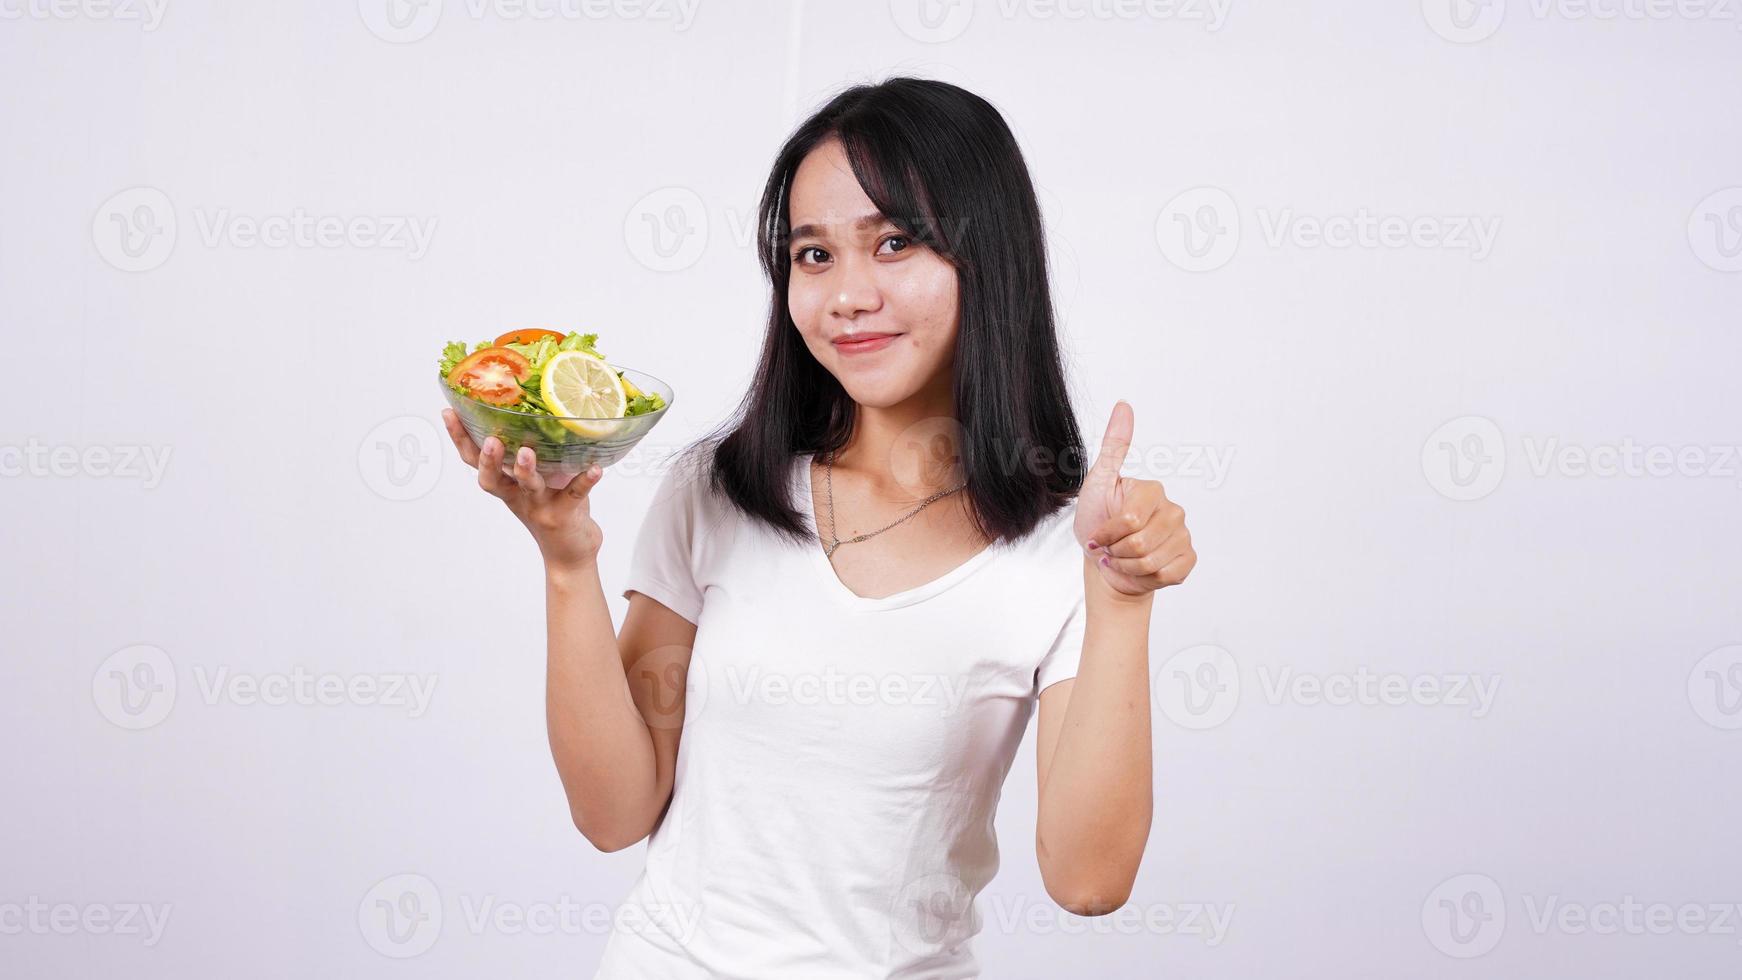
pixel 842 757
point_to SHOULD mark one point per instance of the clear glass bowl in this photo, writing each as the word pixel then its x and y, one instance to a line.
pixel 565 446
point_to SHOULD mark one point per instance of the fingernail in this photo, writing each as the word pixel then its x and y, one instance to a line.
pixel 1105 560
pixel 1093 546
pixel 593 471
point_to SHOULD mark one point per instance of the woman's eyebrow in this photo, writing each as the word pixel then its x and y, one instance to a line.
pixel 864 221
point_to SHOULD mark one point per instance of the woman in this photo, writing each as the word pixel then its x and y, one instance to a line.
pixel 844 605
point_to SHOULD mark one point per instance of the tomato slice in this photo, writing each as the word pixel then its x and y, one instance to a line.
pixel 492 375
pixel 531 335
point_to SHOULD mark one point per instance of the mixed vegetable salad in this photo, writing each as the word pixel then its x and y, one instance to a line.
pixel 550 387
pixel 514 372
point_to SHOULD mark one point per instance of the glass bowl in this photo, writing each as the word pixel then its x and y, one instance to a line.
pixel 565 446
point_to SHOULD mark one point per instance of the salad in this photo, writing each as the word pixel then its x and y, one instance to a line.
pixel 561 382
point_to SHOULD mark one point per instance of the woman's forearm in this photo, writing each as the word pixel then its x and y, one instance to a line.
pixel 601 744
pixel 1097 798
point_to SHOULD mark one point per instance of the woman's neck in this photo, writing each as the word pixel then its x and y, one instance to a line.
pixel 905 451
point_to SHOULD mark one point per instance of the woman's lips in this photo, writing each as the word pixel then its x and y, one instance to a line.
pixel 872 342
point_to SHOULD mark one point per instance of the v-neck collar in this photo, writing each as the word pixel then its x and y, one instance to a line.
pixel 837 590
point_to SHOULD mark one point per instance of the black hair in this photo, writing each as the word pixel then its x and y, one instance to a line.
pixel 944 168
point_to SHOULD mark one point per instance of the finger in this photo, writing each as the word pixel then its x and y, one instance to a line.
pixel 490 475
pixel 581 485
pixel 1157 568
pixel 1143 500
pixel 1154 538
pixel 1175 571
pixel 461 439
pixel 1115 445
pixel 526 470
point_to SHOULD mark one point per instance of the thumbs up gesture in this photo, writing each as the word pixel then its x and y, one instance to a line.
pixel 1138 535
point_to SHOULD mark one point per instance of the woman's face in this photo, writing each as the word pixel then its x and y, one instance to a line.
pixel 854 274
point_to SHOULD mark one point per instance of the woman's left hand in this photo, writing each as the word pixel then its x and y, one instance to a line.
pixel 1138 535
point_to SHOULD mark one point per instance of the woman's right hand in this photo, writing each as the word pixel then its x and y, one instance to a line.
pixel 556 513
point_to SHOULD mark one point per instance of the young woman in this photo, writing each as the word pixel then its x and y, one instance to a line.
pixel 845 604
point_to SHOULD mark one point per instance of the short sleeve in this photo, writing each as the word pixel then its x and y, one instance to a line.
pixel 1060 662
pixel 662 564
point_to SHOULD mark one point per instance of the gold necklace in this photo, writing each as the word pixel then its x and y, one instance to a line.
pixel 829 478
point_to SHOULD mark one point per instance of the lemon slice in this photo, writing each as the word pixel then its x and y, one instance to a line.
pixel 578 384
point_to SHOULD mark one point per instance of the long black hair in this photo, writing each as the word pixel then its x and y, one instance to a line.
pixel 943 167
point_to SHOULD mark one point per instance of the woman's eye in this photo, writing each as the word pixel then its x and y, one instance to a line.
pixel 892 239
pixel 798 256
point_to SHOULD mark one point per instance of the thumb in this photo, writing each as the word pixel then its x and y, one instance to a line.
pixel 1115 444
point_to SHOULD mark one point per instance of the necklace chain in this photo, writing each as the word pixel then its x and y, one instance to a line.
pixel 829 478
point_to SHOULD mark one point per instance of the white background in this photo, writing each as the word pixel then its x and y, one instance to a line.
pixel 1400 423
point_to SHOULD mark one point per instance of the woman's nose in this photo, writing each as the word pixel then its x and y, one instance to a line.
pixel 854 290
